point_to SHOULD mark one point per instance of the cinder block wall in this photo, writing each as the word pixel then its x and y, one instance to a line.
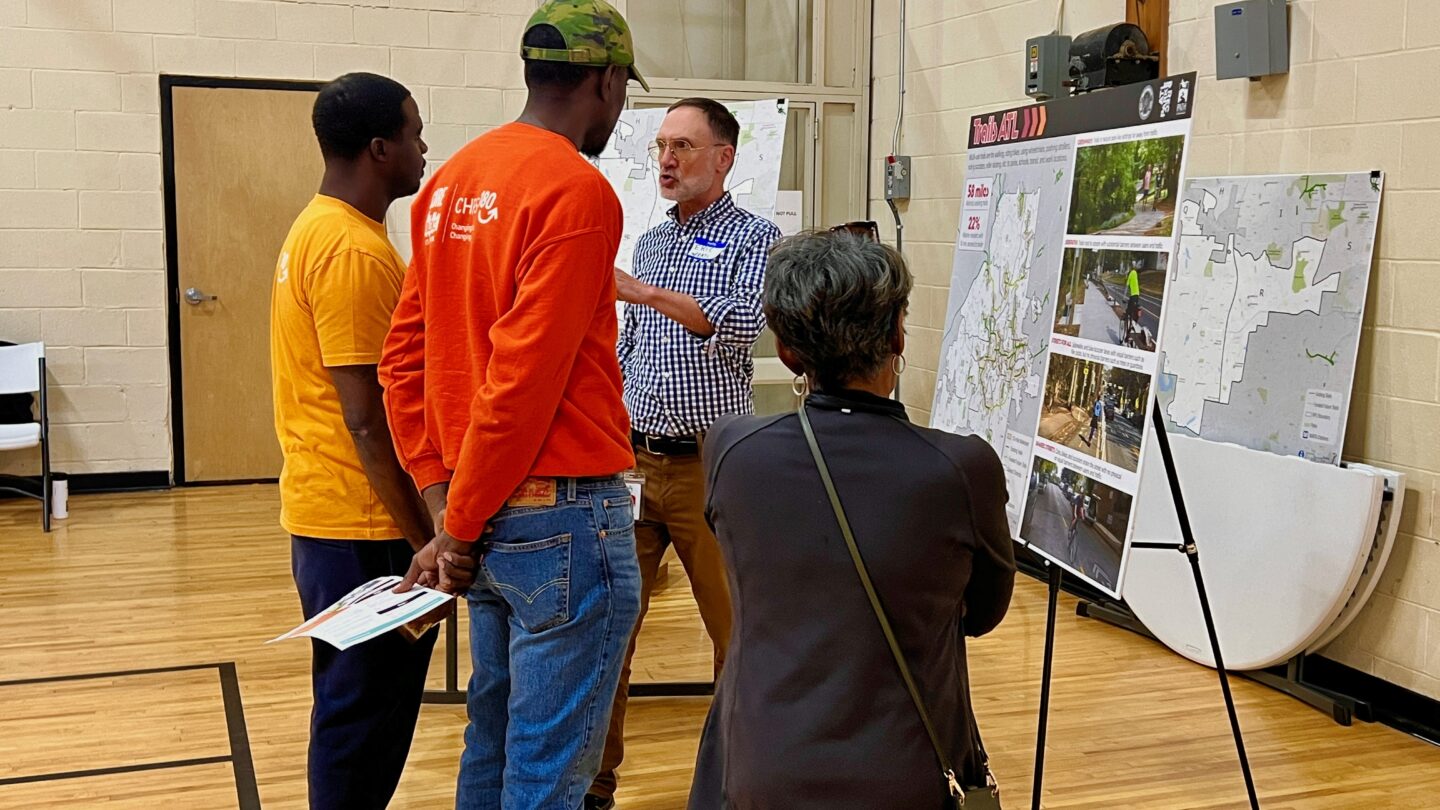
pixel 1348 104
pixel 82 249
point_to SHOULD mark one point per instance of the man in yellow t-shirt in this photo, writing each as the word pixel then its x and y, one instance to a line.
pixel 353 513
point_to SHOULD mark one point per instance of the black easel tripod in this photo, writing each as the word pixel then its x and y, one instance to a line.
pixel 1187 548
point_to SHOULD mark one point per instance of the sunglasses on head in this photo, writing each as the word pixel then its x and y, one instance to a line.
pixel 866 229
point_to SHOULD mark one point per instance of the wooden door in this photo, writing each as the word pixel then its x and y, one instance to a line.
pixel 246 163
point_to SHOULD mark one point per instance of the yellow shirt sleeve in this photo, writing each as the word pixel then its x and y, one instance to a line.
pixel 351 303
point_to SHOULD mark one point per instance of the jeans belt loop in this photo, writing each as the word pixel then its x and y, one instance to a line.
pixel 570 487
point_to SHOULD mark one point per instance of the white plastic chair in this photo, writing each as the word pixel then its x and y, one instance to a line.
pixel 22 371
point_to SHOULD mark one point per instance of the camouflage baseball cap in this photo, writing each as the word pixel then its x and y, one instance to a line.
pixel 595 34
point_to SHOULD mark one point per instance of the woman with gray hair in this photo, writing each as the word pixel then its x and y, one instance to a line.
pixel 811 710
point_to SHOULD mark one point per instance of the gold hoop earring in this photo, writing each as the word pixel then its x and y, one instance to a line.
pixel 898 364
pixel 800 385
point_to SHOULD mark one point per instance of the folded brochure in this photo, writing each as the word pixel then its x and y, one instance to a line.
pixel 372 610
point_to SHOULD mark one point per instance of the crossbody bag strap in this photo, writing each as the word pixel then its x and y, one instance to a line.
pixel 946 769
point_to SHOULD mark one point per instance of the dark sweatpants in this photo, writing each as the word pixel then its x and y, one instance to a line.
pixel 367 698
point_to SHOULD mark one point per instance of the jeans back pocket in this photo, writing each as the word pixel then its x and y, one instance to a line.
pixel 534 579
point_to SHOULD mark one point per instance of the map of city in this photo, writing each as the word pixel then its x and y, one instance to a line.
pixel 1002 303
pixel 753 182
pixel 1264 312
pixel 992 342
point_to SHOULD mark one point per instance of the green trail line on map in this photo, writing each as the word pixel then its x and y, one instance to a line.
pixel 1329 358
pixel 1311 188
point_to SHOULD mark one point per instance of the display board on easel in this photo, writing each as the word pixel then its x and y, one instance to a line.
pixel 1056 301
pixel 1271 276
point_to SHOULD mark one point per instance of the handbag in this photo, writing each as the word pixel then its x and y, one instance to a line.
pixel 986 797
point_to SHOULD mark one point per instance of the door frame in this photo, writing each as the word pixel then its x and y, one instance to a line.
pixel 172 242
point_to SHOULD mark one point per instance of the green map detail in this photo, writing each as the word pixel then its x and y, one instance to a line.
pixel 1209 269
pixel 1264 395
pixel 1299 282
pixel 1337 216
pixel 1309 189
pixel 1329 358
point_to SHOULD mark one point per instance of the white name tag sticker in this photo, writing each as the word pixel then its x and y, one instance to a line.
pixel 636 484
pixel 706 249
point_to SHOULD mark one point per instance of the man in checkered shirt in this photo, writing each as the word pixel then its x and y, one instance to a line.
pixel 690 326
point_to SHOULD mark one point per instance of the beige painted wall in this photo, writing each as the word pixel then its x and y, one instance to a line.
pixel 82 251
pixel 1346 105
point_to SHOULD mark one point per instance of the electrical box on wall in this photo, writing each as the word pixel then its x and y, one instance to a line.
pixel 1252 39
pixel 1047 66
pixel 897 177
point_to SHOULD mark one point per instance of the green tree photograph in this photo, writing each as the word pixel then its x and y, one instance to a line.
pixel 1127 189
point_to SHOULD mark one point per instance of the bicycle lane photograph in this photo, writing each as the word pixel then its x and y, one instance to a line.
pixel 1077 520
pixel 1111 297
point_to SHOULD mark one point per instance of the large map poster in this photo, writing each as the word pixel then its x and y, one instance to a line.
pixel 753 182
pixel 1063 248
pixel 1265 306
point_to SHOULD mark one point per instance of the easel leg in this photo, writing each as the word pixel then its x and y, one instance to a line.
pixel 1224 678
pixel 1055 574
pixel 1192 554
pixel 452 693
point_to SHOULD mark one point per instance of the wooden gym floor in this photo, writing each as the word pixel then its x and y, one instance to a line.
pixel 181 589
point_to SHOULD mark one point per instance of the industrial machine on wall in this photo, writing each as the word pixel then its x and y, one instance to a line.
pixel 1112 56
pixel 1109 56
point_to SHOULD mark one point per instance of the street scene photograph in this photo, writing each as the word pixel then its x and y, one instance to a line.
pixel 1076 520
pixel 1127 189
pixel 1111 296
pixel 1095 409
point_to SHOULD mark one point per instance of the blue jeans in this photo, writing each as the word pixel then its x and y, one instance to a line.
pixel 551 611
pixel 367 698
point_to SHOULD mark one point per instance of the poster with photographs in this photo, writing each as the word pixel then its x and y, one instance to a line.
pixel 1057 299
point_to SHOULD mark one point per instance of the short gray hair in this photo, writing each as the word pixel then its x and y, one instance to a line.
pixel 835 300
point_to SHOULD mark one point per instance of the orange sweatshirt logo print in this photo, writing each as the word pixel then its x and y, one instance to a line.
pixel 487 212
pixel 432 217
pixel 482 208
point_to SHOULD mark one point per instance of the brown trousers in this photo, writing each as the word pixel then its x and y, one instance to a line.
pixel 672 512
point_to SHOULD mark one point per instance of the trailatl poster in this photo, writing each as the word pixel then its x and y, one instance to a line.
pixel 1057 294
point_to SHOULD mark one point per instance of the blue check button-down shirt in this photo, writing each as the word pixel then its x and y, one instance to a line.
pixel 676 382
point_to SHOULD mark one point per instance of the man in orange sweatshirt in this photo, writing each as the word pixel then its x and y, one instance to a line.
pixel 504 399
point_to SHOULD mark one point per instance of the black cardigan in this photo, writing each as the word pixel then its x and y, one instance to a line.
pixel 810 711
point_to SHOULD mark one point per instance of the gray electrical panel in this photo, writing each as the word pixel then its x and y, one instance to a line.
pixel 897 177
pixel 1047 66
pixel 1252 39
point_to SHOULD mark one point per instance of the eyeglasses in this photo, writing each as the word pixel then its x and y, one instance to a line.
pixel 682 149
pixel 865 229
